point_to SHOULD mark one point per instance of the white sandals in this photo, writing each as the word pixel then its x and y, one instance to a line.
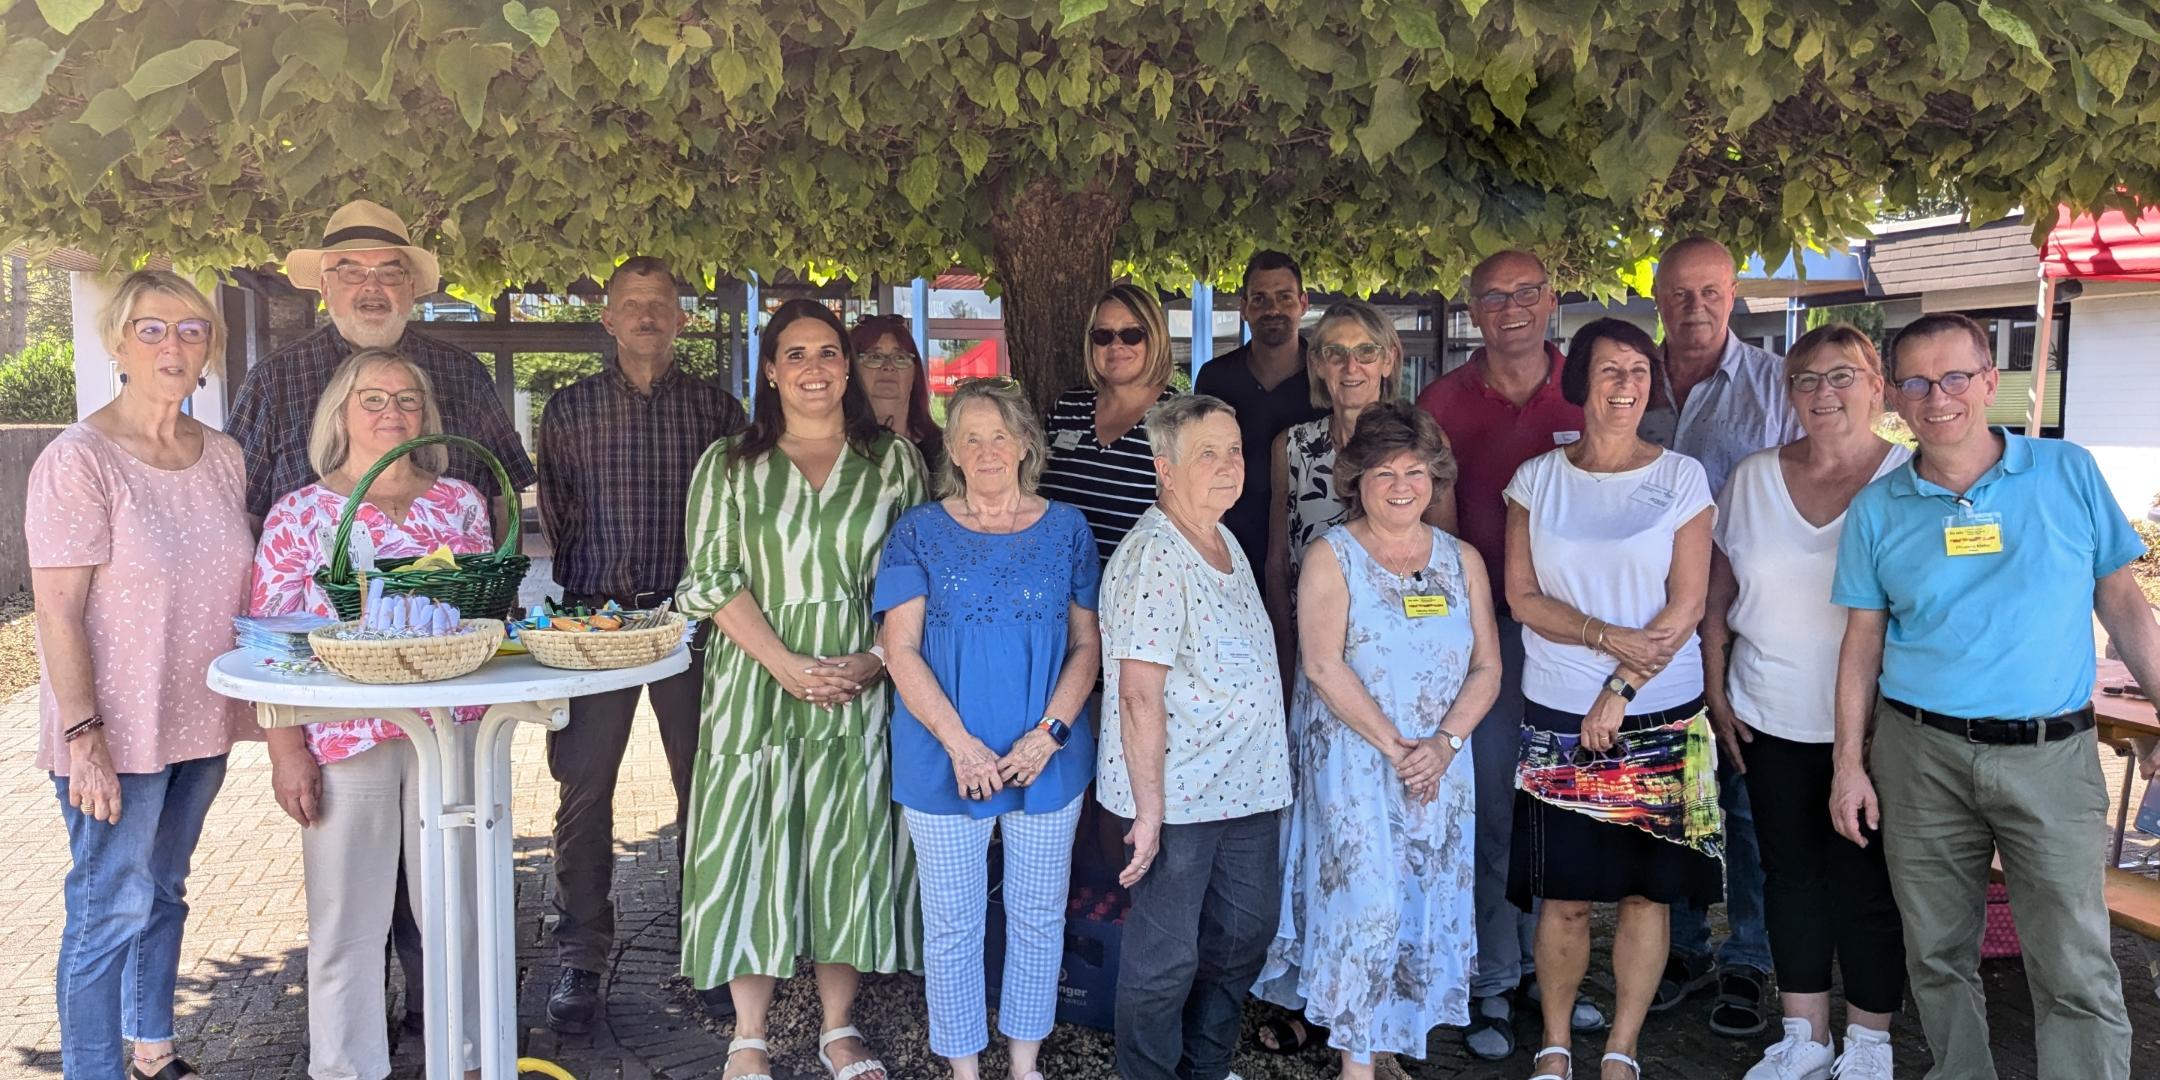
pixel 740 1045
pixel 1562 1051
pixel 1625 1060
pixel 866 1065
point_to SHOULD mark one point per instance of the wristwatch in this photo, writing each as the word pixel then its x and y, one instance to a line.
pixel 1059 731
pixel 1620 686
pixel 1454 741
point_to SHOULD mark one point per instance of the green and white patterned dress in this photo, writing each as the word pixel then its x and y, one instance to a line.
pixel 793 847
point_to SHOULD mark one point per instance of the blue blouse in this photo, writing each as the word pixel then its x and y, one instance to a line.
pixel 995 634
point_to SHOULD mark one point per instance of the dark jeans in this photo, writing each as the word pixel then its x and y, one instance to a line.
pixel 1198 931
pixel 1823 895
pixel 1746 944
pixel 584 759
pixel 1503 930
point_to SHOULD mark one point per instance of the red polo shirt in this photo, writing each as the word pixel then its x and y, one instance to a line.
pixel 1492 437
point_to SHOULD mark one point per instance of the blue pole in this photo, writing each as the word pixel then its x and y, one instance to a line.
pixel 751 304
pixel 919 302
pixel 1203 325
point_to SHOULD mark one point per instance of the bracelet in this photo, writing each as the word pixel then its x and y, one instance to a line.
pixel 879 652
pixel 1583 635
pixel 1602 627
pixel 83 728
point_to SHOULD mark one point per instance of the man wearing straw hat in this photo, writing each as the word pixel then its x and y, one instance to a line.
pixel 369 273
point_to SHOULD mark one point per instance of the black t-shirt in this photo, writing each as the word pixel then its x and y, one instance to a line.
pixel 1261 415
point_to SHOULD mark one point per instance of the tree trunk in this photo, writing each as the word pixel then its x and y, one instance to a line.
pixel 16 336
pixel 1052 249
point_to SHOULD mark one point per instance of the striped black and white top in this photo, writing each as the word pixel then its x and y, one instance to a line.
pixel 1112 485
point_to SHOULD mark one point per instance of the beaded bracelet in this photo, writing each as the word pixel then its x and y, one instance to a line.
pixel 82 728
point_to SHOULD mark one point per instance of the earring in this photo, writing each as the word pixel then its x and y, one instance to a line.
pixel 202 381
pixel 123 378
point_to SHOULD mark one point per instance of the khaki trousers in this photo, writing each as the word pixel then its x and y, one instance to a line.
pixel 1948 805
pixel 370 806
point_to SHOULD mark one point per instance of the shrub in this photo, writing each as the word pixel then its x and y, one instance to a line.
pixel 37 385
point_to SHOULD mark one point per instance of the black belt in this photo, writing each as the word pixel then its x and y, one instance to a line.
pixel 628 601
pixel 1999 732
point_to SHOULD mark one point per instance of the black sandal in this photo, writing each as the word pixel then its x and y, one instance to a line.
pixel 1287 1034
pixel 175 1069
pixel 1737 1013
pixel 1483 1021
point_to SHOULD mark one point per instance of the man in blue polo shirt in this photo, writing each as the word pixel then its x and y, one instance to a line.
pixel 1964 717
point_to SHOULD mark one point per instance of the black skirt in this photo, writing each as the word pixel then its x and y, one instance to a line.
pixel 1560 854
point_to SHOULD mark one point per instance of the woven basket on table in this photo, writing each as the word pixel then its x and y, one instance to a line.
pixel 599 649
pixel 408 660
pixel 484 585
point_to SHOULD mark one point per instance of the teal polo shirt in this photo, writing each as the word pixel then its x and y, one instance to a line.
pixel 1988 635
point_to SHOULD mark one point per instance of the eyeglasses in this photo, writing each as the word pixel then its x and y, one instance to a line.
pixel 1366 355
pixel 388 275
pixel 988 382
pixel 1807 382
pixel 886 360
pixel 1131 335
pixel 1953 383
pixel 1498 299
pixel 378 400
pixel 152 331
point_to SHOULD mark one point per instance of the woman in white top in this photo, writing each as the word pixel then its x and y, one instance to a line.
pixel 1608 561
pixel 1779 520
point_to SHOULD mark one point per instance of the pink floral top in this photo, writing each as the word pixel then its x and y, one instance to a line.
pixel 168 552
pixel 295 541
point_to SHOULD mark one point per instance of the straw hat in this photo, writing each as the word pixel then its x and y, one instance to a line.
pixel 361 225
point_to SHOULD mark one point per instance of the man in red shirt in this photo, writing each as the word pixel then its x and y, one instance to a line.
pixel 1499 410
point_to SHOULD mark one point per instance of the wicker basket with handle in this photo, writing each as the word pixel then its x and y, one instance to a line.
pixel 484 585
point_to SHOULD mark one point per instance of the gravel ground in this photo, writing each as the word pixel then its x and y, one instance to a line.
pixel 18 647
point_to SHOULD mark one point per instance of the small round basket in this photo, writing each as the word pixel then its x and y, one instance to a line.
pixel 409 660
pixel 602 649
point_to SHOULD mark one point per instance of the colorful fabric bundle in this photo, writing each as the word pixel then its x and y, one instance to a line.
pixel 1662 780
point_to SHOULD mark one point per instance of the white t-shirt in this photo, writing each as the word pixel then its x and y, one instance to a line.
pixel 1783 675
pixel 1603 544
pixel 1229 749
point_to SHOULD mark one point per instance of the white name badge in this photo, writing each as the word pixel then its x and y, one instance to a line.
pixel 1235 650
pixel 1562 438
pixel 1068 439
pixel 1660 498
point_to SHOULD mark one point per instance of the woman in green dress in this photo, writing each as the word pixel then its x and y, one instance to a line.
pixel 793 848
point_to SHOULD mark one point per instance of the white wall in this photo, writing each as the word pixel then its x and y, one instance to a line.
pixel 97 378
pixel 2112 403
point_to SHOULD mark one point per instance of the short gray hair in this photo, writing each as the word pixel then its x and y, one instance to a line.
pixel 1378 327
pixel 1169 418
pixel 1014 413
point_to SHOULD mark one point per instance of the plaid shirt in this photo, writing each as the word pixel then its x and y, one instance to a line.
pixel 615 467
pixel 275 409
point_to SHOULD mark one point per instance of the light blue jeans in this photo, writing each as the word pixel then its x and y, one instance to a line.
pixel 126 899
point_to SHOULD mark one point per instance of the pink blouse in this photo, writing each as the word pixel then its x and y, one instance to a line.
pixel 294 541
pixel 169 552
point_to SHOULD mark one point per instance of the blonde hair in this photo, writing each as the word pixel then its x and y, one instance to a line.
pixel 329 442
pixel 114 317
pixel 1148 311
pixel 1835 335
pixel 1378 327
pixel 1014 413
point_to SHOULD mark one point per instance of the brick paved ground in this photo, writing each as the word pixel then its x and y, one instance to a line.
pixel 242 1010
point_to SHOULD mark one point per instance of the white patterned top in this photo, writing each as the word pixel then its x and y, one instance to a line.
pixel 1228 747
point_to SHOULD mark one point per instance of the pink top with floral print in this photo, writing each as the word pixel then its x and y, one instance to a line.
pixel 295 541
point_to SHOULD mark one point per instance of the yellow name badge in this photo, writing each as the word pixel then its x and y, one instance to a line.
pixel 1969 532
pixel 1424 607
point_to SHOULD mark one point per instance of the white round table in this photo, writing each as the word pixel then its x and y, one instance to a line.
pixel 464 785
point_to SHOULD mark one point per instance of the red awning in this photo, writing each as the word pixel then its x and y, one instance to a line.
pixel 980 361
pixel 2111 246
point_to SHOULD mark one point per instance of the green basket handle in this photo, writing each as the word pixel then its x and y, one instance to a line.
pixel 340 568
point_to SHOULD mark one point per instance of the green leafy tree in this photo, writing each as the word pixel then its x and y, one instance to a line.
pixel 1388 142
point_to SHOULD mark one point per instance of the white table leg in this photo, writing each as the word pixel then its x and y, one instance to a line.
pixel 497 899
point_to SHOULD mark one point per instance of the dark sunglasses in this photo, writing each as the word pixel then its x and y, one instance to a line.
pixel 1131 335
pixel 152 331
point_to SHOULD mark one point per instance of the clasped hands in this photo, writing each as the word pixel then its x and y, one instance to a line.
pixel 827 681
pixel 979 773
pixel 1420 763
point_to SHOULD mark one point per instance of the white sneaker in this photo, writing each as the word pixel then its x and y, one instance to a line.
pixel 1797 1056
pixel 1866 1056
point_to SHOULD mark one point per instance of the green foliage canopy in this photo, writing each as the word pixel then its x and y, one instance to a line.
pixel 1391 142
